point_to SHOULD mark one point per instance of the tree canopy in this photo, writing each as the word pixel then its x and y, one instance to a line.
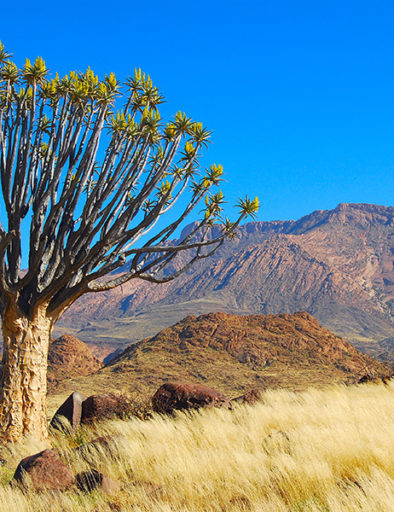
pixel 88 169
pixel 90 166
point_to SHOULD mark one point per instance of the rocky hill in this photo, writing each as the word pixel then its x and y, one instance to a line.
pixel 335 264
pixel 70 357
pixel 234 353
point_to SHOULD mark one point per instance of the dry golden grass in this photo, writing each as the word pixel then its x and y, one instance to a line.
pixel 317 451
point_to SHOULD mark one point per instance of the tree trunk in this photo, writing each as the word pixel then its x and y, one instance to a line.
pixel 24 381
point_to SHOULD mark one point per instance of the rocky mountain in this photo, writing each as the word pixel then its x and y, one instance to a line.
pixel 234 354
pixel 70 357
pixel 335 264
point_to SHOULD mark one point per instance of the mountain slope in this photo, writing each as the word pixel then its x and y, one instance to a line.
pixel 336 264
pixel 383 350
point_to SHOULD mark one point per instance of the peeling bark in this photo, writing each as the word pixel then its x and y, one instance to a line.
pixel 24 384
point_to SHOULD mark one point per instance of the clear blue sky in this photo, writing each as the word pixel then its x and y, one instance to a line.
pixel 300 95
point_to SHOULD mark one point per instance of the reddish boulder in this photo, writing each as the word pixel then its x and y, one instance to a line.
pixel 251 397
pixel 71 409
pixel 89 480
pixel 99 407
pixel 173 396
pixel 44 470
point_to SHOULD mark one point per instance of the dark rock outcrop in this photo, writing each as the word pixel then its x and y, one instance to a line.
pixel 173 396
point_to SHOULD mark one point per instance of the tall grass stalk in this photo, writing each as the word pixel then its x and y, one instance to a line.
pixel 317 451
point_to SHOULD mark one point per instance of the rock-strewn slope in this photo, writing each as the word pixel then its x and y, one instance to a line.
pixel 235 354
pixel 335 264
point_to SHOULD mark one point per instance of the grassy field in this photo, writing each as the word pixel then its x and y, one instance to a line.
pixel 316 451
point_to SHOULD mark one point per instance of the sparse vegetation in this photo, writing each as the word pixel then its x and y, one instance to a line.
pixel 317 451
pixel 232 354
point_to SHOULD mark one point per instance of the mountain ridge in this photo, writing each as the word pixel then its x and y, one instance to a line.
pixel 336 264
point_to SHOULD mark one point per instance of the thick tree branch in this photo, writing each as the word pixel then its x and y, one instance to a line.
pixel 86 217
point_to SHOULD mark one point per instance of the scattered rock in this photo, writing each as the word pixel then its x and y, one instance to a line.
pixel 44 470
pixel 251 397
pixel 99 407
pixel 89 480
pixel 173 396
pixel 71 410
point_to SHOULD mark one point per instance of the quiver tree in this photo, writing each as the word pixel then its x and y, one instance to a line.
pixel 84 190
